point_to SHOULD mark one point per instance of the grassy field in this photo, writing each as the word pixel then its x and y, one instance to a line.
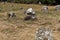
pixel 18 29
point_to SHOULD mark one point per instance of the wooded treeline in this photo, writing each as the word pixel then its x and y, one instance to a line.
pixel 48 2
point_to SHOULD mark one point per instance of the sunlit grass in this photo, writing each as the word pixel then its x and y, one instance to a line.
pixel 18 29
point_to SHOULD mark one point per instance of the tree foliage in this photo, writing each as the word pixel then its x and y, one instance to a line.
pixel 34 1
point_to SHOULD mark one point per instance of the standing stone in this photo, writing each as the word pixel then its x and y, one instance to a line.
pixel 39 2
pixel 57 7
pixel 30 14
pixel 45 9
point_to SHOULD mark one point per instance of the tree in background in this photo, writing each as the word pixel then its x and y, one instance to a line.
pixel 3 1
pixel 48 2
pixel 57 1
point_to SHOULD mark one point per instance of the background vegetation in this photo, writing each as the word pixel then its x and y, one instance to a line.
pixel 48 2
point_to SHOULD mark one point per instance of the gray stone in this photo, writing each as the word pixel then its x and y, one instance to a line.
pixel 45 9
pixel 57 7
pixel 44 34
